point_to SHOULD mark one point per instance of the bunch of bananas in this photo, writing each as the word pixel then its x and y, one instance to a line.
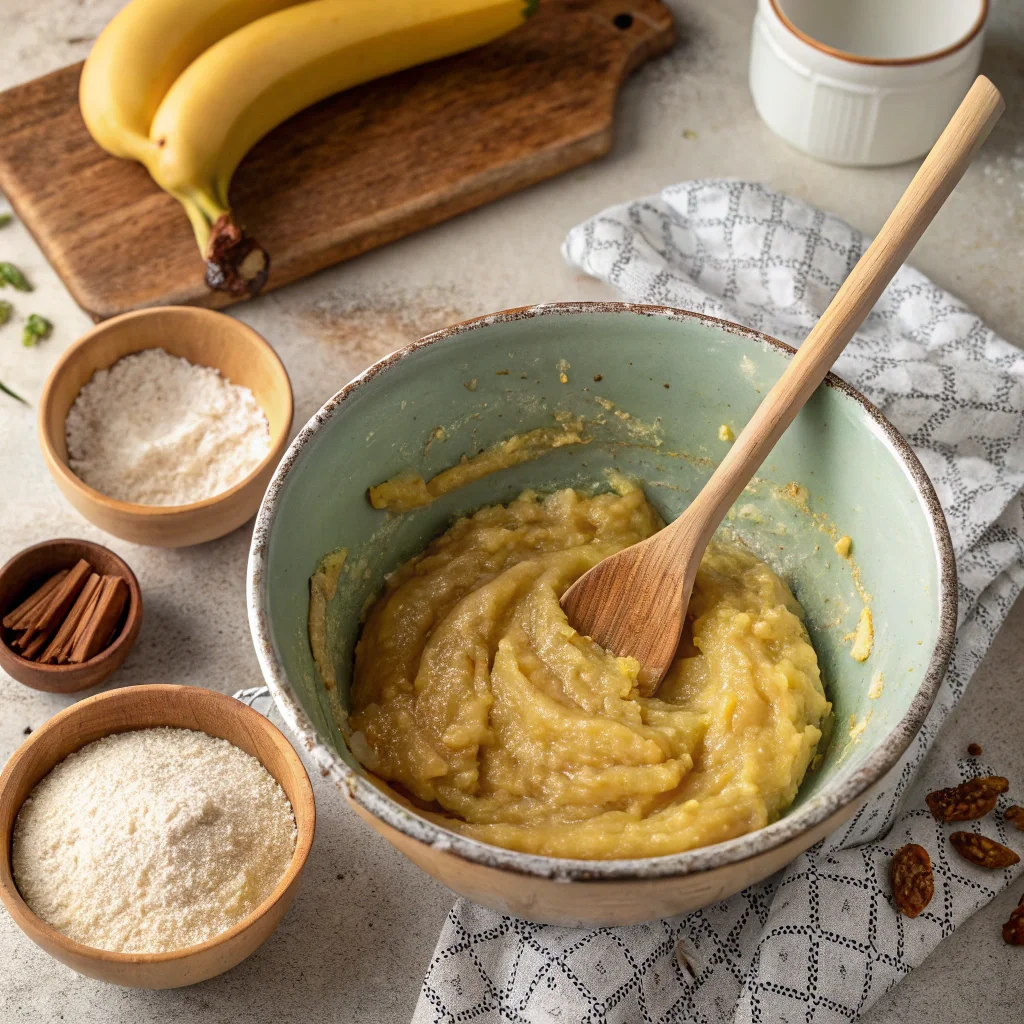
pixel 188 87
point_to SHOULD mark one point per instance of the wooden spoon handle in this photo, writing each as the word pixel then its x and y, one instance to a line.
pixel 931 186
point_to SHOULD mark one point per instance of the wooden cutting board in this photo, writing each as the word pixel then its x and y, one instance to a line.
pixel 356 171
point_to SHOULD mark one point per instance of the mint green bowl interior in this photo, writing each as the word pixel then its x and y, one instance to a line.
pixel 861 479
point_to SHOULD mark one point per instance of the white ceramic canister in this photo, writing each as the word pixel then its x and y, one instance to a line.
pixel 863 82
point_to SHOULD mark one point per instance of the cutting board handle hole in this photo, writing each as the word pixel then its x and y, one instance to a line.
pixel 623 21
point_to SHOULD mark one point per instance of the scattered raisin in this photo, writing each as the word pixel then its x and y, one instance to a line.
pixel 974 749
pixel 981 850
pixel 1015 816
pixel 971 799
pixel 1013 930
pixel 598 378
pixel 912 881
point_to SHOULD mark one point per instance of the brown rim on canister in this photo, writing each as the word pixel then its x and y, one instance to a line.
pixel 854 58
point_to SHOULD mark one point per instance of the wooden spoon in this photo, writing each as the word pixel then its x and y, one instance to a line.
pixel 634 602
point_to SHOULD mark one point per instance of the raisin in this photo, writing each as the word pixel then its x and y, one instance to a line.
pixel 912 881
pixel 974 749
pixel 971 799
pixel 981 850
pixel 1013 930
pixel 1015 816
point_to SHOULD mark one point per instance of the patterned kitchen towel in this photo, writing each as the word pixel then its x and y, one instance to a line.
pixel 820 940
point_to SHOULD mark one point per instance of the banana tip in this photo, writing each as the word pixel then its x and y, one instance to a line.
pixel 235 263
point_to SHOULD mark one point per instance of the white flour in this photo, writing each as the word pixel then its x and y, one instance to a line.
pixel 152 840
pixel 155 429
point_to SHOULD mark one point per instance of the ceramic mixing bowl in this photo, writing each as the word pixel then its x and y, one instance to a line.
pixel 841 469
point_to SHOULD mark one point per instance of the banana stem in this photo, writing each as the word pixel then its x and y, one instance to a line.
pixel 202 214
pixel 235 263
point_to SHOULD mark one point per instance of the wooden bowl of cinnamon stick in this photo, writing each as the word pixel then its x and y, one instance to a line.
pixel 70 611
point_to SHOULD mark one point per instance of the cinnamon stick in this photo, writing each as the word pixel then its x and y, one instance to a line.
pixel 83 623
pixel 35 647
pixel 70 624
pixel 28 638
pixel 47 620
pixel 96 633
pixel 19 617
pixel 65 654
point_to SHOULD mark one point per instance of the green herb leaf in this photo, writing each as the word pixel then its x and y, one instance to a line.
pixel 7 391
pixel 6 309
pixel 5 219
pixel 36 329
pixel 10 274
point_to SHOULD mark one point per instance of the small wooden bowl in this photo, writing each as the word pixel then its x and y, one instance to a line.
pixel 30 569
pixel 201 336
pixel 142 707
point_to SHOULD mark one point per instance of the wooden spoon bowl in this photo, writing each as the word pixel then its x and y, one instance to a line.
pixel 31 568
pixel 143 707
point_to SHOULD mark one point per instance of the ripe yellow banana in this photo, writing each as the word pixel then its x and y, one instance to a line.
pixel 250 81
pixel 139 55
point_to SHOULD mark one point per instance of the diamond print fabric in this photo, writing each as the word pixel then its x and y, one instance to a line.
pixel 819 941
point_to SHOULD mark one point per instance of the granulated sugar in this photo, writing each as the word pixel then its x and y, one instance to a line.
pixel 155 429
pixel 152 840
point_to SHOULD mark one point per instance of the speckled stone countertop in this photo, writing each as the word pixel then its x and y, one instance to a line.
pixel 354 946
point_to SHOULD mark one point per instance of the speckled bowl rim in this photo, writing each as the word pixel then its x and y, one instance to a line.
pixel 816 810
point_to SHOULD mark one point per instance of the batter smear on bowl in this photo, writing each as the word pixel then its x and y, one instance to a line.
pixel 478 701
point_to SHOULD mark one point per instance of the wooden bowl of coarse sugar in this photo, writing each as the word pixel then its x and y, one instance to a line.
pixel 205 338
pixel 143 707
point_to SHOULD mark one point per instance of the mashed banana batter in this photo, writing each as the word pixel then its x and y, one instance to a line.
pixel 476 699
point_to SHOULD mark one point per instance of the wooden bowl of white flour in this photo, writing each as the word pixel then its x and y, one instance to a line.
pixel 164 426
pixel 122 715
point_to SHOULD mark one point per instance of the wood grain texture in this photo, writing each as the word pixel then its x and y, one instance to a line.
pixel 357 171
pixel 203 337
pixel 142 707
pixel 634 602
pixel 29 569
